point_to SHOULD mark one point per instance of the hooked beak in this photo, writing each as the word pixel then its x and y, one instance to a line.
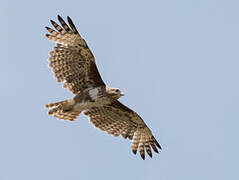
pixel 122 94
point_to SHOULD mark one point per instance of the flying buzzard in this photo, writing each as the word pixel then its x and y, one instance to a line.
pixel 73 64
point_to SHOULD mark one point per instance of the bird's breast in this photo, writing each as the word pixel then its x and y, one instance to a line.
pixel 94 94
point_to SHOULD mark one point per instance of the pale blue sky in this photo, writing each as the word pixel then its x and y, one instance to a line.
pixel 176 61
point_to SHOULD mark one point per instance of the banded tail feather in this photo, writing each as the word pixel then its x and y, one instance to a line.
pixel 63 110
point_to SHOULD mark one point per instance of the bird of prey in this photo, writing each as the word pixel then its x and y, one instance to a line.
pixel 74 65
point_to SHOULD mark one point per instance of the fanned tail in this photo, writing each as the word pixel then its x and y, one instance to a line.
pixel 63 110
pixel 55 104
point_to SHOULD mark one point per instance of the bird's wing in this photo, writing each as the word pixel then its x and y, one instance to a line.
pixel 117 119
pixel 72 61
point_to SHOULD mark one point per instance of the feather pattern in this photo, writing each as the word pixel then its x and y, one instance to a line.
pixel 73 64
pixel 116 119
pixel 72 61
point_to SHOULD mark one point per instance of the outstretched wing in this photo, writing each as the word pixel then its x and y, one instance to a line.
pixel 72 61
pixel 117 119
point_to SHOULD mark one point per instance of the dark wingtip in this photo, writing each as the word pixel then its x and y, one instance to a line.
pixel 72 25
pixel 158 145
pixel 53 23
pixel 47 28
pixel 150 154
pixel 59 18
pixel 156 142
pixel 154 147
pixel 68 18
pixel 142 156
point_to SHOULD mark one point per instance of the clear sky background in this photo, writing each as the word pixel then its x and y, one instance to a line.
pixel 176 61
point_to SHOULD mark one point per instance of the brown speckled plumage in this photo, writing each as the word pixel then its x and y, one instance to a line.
pixel 72 61
pixel 73 64
pixel 116 119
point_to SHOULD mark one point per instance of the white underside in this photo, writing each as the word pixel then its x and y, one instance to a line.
pixel 97 101
pixel 94 93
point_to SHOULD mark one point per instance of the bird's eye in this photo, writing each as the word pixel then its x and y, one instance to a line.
pixel 117 90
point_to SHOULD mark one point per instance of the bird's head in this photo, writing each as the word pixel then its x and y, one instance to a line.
pixel 114 93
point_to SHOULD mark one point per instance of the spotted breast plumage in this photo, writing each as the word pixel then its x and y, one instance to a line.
pixel 73 64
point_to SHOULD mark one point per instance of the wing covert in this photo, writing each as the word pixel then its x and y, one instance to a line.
pixel 117 119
